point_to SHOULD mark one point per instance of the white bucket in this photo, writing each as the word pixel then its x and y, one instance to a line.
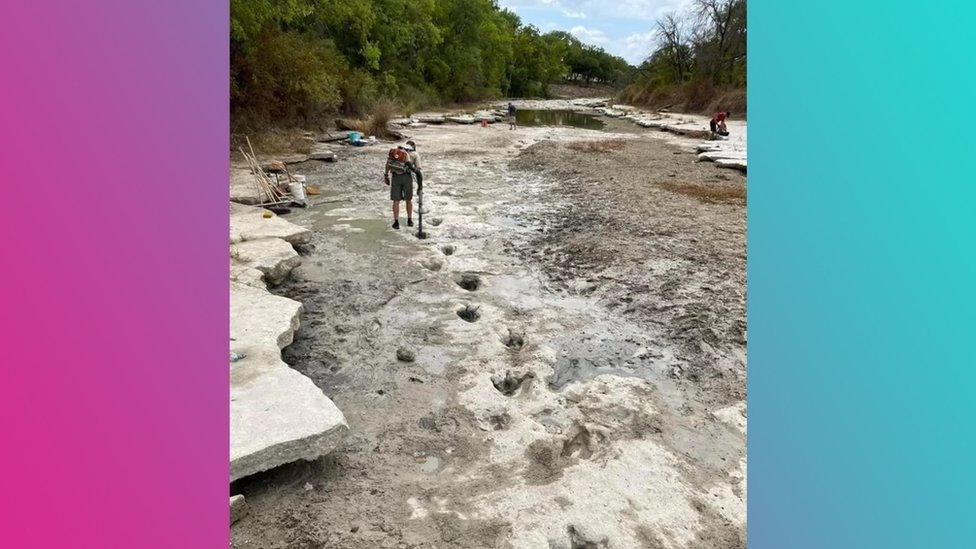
pixel 297 188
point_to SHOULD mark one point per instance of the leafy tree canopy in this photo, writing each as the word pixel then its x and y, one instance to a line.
pixel 297 59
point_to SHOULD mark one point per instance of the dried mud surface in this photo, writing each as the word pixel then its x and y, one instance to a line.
pixel 640 228
pixel 577 335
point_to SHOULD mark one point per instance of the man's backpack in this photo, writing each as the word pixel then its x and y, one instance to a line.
pixel 398 161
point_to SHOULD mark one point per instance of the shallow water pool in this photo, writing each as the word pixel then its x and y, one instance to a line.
pixel 575 119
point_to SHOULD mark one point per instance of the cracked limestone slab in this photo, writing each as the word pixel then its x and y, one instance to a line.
pixel 267 162
pixel 591 101
pixel 684 128
pixel 429 118
pixel 243 187
pixel 249 223
pixel 709 146
pixel 277 416
pixel 720 154
pixel 246 274
pixel 734 163
pixel 650 123
pixel 322 152
pixel 628 109
pixel 272 256
pixel 260 320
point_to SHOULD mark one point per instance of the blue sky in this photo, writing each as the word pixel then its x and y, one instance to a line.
pixel 622 27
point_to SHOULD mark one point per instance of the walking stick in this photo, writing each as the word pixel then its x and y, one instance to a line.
pixel 420 205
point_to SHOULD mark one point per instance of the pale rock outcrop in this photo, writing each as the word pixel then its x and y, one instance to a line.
pixel 272 256
pixel 261 320
pixel 249 223
pixel 243 188
pixel 277 415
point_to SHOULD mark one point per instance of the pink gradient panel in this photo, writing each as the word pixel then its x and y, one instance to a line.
pixel 114 140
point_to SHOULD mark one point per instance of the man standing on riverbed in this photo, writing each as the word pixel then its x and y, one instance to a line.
pixel 403 162
pixel 511 116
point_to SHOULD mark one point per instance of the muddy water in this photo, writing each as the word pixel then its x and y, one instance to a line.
pixel 573 119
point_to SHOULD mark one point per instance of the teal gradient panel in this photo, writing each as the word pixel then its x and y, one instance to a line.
pixel 862 186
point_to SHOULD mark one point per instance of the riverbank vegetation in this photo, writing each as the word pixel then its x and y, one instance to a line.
pixel 700 62
pixel 292 62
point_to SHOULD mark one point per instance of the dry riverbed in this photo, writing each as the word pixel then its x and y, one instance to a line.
pixel 560 364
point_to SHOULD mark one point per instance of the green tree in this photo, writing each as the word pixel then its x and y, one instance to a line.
pixel 293 60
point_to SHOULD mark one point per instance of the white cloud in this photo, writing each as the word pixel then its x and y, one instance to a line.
pixel 636 47
pixel 590 36
pixel 568 8
pixel 646 10
pixel 621 27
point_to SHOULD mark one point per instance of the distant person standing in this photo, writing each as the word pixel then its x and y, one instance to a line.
pixel 717 124
pixel 512 125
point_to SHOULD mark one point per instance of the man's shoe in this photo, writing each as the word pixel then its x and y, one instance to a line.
pixel 396 223
pixel 409 222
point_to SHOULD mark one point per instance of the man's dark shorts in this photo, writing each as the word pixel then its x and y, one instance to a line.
pixel 401 186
